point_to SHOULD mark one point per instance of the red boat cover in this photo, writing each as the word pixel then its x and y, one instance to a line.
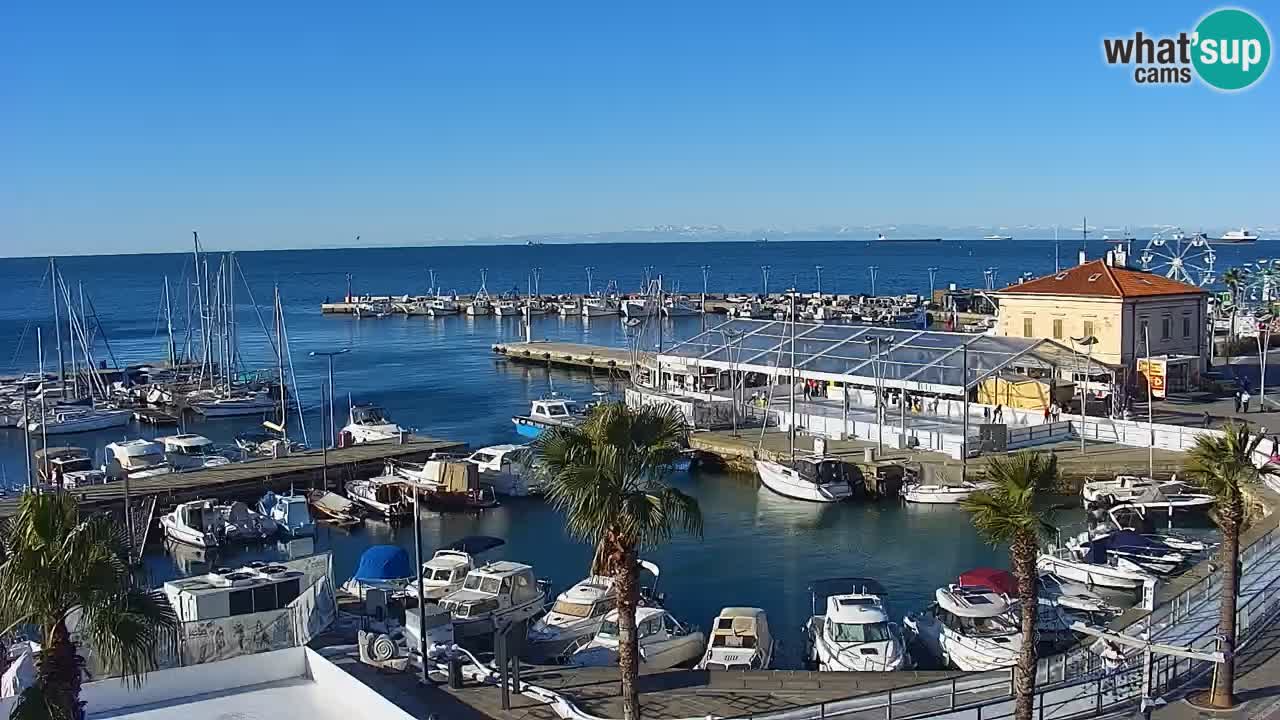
pixel 999 580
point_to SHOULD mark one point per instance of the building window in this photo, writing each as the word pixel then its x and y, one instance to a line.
pixel 1057 329
pixel 1088 328
pixel 1027 327
pixel 1142 331
pixel 1166 328
pixel 1186 326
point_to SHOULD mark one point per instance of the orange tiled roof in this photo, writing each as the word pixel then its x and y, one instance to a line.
pixel 1097 279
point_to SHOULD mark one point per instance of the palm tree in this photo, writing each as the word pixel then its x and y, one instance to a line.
pixel 1223 466
pixel 606 475
pixel 1007 513
pixel 59 567
pixel 1234 280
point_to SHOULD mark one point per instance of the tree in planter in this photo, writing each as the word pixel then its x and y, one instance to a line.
pixel 606 476
pixel 1224 467
pixel 1007 513
pixel 58 566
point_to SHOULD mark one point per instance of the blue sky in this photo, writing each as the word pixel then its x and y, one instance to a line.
pixel 288 124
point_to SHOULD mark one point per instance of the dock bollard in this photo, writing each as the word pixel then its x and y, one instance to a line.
pixel 455 672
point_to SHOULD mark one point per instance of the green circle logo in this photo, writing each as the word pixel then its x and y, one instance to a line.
pixel 1232 49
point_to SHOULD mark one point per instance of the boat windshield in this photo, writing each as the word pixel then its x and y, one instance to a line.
pixel 986 626
pixel 859 632
pixel 483 584
pixel 481 456
pixel 441 574
pixel 572 609
pixel 608 629
pixel 478 608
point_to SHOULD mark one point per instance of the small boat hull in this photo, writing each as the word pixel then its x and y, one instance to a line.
pixel 787 482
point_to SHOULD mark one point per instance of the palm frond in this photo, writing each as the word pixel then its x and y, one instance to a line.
pixel 1224 464
pixel 127 630
pixel 1011 506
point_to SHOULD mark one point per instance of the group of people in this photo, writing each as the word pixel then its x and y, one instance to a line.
pixel 1242 400
pixel 1053 412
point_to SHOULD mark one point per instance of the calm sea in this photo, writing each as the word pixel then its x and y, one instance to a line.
pixel 439 377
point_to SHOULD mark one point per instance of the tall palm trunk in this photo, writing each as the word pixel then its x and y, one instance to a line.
pixel 59 672
pixel 628 580
pixel 1024 550
pixel 1222 695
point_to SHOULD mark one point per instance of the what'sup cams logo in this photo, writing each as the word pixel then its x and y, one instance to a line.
pixel 1229 50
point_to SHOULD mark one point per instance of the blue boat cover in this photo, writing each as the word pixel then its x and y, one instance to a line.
pixel 384 562
pixel 1126 540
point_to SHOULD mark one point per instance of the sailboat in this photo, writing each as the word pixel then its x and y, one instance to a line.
pixel 817 478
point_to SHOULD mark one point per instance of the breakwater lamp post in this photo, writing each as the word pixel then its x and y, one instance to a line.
pixel 818 269
pixel 330 355
pixel 764 272
pixel 706 271
pixel 1088 341
pixel 590 269
pixel 871 270
pixel 933 275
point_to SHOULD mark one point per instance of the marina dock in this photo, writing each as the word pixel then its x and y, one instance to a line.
pixel 250 480
pixel 568 355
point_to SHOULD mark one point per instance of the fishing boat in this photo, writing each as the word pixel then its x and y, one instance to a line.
pixel 569 308
pixel 545 412
pixel 480 303
pixel 934 494
pixel 663 640
pixel 600 307
pixel 290 514
pixel 641 307
pixel 135 458
pixel 197 523
pixel 493 596
pixel 439 306
pixel 334 509
pixel 849 629
pixel 970 628
pixel 506 468
pixel 387 496
pixel 533 308
pixel 65 420
pixel 369 423
pixel 447 569
pixel 678 307
pixel 740 640
pixel 188 451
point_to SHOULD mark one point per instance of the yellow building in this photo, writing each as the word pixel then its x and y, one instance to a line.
pixel 1116 305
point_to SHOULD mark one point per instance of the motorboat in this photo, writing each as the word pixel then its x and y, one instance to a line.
pixel 850 629
pixel 970 628
pixel 679 308
pixel 578 612
pixel 821 478
pixel 334 509
pixel 997 237
pixel 79 479
pixel 266 444
pixel 53 465
pixel 493 596
pixel 441 305
pixel 369 423
pixel 1074 596
pixel 447 483
pixel 414 307
pixel 935 494
pixel 551 411
pixel 372 309
pixel 506 308
pixel 449 565
pixel 67 420
pixel 1104 573
pixel 1151 499
pixel 570 308
pixel 1129 549
pixel 600 307
pixel 242 524
pixel 388 496
pixel 1125 487
pixel 639 307
pixel 664 642
pixel 506 468
pixel 290 514
pixel 381 567
pixel 740 640
pixel 197 523
pixel 189 451
pixel 136 459
pixel 1053 622
pixel 236 405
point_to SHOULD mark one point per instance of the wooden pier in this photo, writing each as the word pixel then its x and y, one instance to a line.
pixel 250 480
pixel 569 355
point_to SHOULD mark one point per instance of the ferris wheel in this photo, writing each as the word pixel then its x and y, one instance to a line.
pixel 1176 255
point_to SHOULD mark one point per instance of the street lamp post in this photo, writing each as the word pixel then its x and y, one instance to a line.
pixel 871 269
pixel 1264 346
pixel 875 370
pixel 764 272
pixel 1088 341
pixel 706 271
pixel 1151 400
pixel 730 337
pixel 329 355
pixel 933 274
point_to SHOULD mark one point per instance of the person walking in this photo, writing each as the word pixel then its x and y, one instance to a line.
pixel 1208 420
pixel 998 416
pixel 986 414
pixel 1245 397
pixel 1237 399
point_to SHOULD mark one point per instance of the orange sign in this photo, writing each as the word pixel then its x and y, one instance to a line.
pixel 1154 373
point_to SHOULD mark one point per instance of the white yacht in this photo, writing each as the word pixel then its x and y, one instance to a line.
pixel 449 565
pixel 236 405
pixel 664 642
pixel 1147 495
pixel 189 451
pixel 369 423
pixel 196 523
pixel 853 633
pixel 815 479
pixel 575 617
pixel 740 640
pixel 1124 487
pixel 506 468
pixel 135 458
pixel 291 514
pixel 934 494
pixel 970 628
pixel 1238 236
pixel 600 307
pixel 388 496
pixel 494 595
pixel 547 412
pixel 72 419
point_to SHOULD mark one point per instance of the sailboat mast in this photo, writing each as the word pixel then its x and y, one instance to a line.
pixel 71 338
pixel 791 396
pixel 57 325
pixel 168 319
pixel 284 407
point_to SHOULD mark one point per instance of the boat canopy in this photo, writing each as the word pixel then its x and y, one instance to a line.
pixel 474 544
pixel 384 562
pixel 915 360
pixel 998 580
